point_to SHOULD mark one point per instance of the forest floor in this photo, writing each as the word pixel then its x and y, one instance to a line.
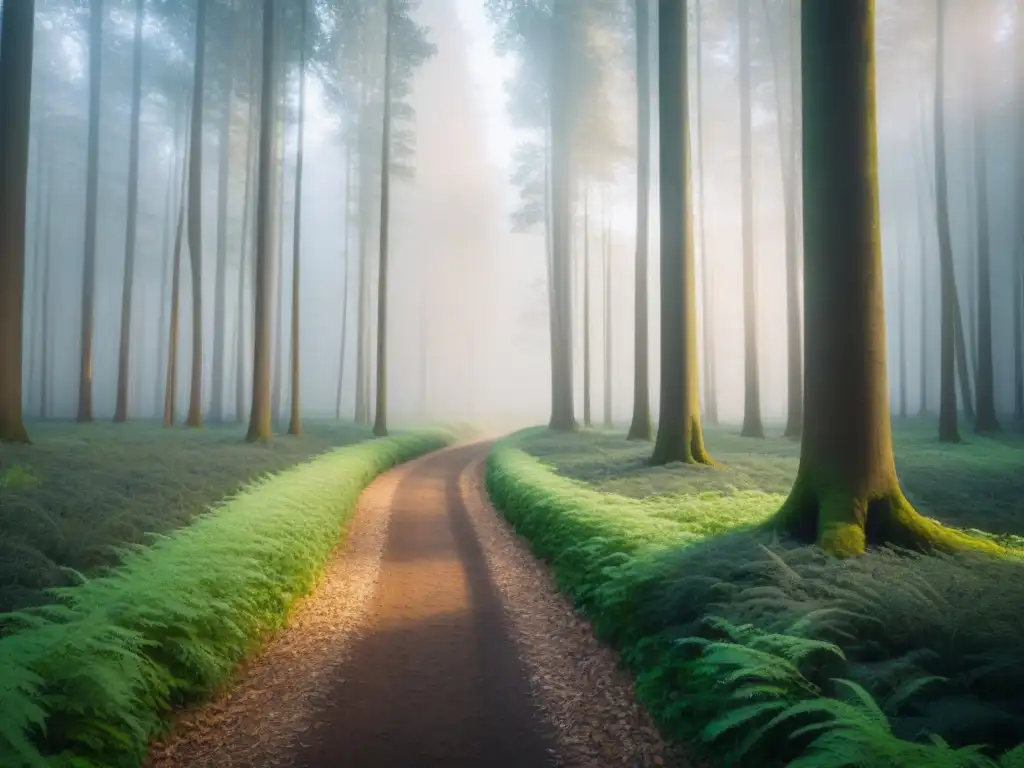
pixel 434 639
pixel 81 491
pixel 660 557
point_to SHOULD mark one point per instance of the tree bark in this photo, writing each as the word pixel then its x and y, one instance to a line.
pixel 347 238
pixel 294 420
pixel 45 385
pixel 16 43
pixel 171 385
pixel 220 302
pixel 680 436
pixel 847 494
pixel 259 415
pixel 901 307
pixel 922 213
pixel 640 427
pixel 1018 259
pixel 752 426
pixel 91 200
pixel 130 241
pixel 243 251
pixel 277 358
pixel 380 424
pixel 948 431
pixel 195 223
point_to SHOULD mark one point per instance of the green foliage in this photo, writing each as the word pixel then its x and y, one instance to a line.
pixel 92 489
pixel 87 681
pixel 650 554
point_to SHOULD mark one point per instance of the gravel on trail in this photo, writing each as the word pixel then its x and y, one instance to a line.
pixel 434 639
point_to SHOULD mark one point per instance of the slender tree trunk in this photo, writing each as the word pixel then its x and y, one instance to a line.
pixel 560 113
pixel 752 426
pixel 45 385
pixel 380 427
pixel 130 242
pixel 847 494
pixel 91 201
pixel 32 308
pixel 679 430
pixel 16 43
pixel 963 365
pixel 259 416
pixel 922 213
pixel 1018 259
pixel 165 274
pixel 277 359
pixel 707 311
pixel 901 307
pixel 587 422
pixel 243 250
pixel 347 238
pixel 948 431
pixel 549 254
pixel 640 427
pixel 607 331
pixel 195 223
pixel 171 386
pixel 984 382
pixel 220 302
pixel 294 422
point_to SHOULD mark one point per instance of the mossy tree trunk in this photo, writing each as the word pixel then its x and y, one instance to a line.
pixel 640 425
pixel 680 437
pixel 707 313
pixel 259 414
pixel 380 419
pixel 752 426
pixel 128 280
pixel 16 43
pixel 846 493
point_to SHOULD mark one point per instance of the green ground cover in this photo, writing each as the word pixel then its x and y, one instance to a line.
pixel 88 681
pixel 769 653
pixel 80 491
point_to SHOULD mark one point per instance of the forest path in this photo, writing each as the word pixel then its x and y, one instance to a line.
pixel 434 639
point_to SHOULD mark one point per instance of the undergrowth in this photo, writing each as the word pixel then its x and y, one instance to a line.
pixel 81 490
pixel 88 680
pixel 728 630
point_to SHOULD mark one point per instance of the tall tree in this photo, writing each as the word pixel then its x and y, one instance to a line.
pixel 1018 261
pixel 752 426
pixel 346 242
pixel 171 383
pixel 846 494
pixel 984 383
pixel 92 177
pixel 294 421
pixel 587 422
pixel 16 43
pixel 259 415
pixel 607 307
pixel 130 241
pixel 380 424
pixel 243 255
pixel 195 221
pixel 948 431
pixel 925 192
pixel 45 384
pixel 680 437
pixel 901 308
pixel 640 426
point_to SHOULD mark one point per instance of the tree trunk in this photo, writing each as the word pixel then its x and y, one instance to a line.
pixel 165 273
pixel 380 426
pixel 130 241
pixel 707 313
pixel 560 114
pixel 195 224
pixel 171 385
pixel 277 358
pixel 901 308
pixel 45 386
pixel 33 304
pixel 948 431
pixel 294 422
pixel 346 236
pixel 963 364
pixel 752 426
pixel 16 42
pixel 922 213
pixel 243 250
pixel 679 430
pixel 640 427
pixel 220 302
pixel 847 494
pixel 586 308
pixel 985 417
pixel 91 200
pixel 259 415
pixel 607 331
pixel 1018 258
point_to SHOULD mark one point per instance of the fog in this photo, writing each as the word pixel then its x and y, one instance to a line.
pixel 468 328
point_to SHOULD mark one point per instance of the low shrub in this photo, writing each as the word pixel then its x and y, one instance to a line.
pixel 87 681
pixel 648 573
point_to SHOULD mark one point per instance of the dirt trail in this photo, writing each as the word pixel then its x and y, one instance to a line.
pixel 436 680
